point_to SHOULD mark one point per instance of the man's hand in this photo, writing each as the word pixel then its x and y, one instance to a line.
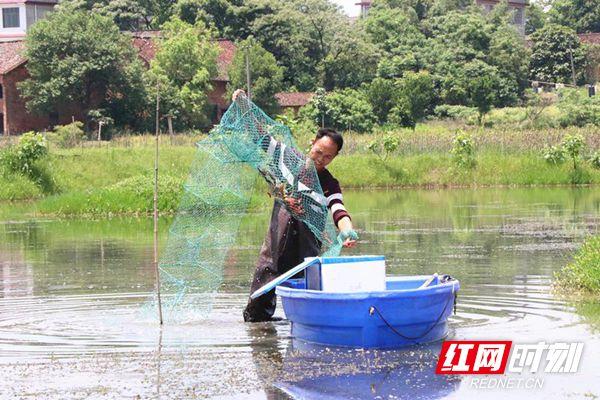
pixel 348 238
pixel 237 93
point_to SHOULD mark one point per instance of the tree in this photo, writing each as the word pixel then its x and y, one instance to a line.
pixel 507 52
pixel 473 84
pixel 217 14
pixel 127 14
pixel 535 18
pixel 183 67
pixel 556 50
pixel 580 15
pixel 397 35
pixel 347 109
pixel 417 90
pixel 314 42
pixel 382 94
pixel 80 59
pixel 266 76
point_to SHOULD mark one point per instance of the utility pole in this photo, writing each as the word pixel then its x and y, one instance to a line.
pixel 572 66
pixel 248 73
pixel 155 249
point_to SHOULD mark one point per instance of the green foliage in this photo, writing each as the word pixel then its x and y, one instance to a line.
pixel 401 114
pixel 455 112
pixel 67 136
pixel 265 75
pixel 381 94
pixel 348 109
pixel 535 18
pixel 182 69
pixel 80 59
pixel 584 272
pixel 384 147
pixel 580 15
pixel 312 40
pixel 554 155
pixel 573 146
pixel 26 159
pixel 553 48
pixel 577 109
pixel 463 151
pixel 594 160
pixel 320 103
pixel 31 147
pixel 507 52
pixel 217 14
pixel 416 89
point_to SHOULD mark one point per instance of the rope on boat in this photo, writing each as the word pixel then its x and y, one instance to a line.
pixel 374 309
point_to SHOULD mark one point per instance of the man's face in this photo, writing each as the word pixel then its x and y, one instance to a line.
pixel 322 152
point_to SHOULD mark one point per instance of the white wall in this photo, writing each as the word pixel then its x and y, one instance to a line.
pixel 22 20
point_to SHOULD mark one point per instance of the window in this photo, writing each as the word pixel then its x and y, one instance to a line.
pixel 10 17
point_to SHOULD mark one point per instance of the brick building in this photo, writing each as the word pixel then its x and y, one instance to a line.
pixel 14 117
pixel 293 101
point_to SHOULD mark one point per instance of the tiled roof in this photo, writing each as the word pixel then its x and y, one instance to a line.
pixel 11 55
pixel 146 44
pixel 589 38
pixel 294 99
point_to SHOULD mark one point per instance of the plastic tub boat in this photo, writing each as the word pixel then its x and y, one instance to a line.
pixel 404 314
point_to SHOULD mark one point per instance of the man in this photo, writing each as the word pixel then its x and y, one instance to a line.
pixel 289 240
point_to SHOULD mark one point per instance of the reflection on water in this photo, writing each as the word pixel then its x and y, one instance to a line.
pixel 72 323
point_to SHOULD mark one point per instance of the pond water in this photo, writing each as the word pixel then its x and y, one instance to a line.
pixel 72 292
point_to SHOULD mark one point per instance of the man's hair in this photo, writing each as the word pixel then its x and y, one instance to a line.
pixel 333 134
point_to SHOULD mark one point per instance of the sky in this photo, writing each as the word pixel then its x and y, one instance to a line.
pixel 348 6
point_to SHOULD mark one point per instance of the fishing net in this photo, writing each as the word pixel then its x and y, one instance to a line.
pixel 216 195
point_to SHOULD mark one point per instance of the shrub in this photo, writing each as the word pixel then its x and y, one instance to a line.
pixel 554 155
pixel 455 112
pixel 577 109
pixel 573 146
pixel 584 272
pixel 21 158
pixel 347 109
pixel 67 136
pixel 386 146
pixel 463 151
pixel 595 160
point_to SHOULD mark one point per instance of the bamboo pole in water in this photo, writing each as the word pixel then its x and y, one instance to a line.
pixel 156 270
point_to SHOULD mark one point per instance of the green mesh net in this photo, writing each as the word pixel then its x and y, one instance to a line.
pixel 216 196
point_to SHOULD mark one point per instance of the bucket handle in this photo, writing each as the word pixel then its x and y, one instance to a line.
pixel 374 309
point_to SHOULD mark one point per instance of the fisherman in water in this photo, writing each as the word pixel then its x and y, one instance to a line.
pixel 288 240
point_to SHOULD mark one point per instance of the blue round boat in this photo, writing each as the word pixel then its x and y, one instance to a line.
pixel 404 314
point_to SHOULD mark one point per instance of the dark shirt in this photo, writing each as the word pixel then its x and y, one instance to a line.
pixel 333 193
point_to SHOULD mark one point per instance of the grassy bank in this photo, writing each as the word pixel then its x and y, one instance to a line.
pixel 116 177
pixel 583 273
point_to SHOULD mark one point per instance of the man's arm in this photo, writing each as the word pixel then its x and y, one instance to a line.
pixel 347 231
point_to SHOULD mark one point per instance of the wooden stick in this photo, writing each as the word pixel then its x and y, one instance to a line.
pixel 156 270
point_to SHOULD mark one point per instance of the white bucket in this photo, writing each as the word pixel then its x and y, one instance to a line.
pixel 347 274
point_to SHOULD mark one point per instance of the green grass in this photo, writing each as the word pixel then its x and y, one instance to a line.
pixel 584 272
pixel 116 178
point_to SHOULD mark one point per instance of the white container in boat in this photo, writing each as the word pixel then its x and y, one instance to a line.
pixel 347 274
